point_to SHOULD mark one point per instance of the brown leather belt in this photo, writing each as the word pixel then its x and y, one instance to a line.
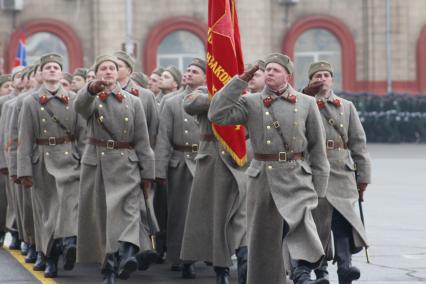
pixel 52 141
pixel 331 145
pixel 281 157
pixel 207 137
pixel 110 144
pixel 186 148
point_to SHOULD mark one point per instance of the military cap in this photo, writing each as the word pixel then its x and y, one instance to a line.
pixel 24 72
pixel 126 58
pixel 17 70
pixel 82 72
pixel 5 78
pixel 199 63
pixel 140 78
pixel 51 57
pixel 319 66
pixel 175 73
pixel 102 58
pixel 261 64
pixel 67 76
pixel 158 71
pixel 282 60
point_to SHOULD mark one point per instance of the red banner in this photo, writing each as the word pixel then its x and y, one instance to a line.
pixel 224 60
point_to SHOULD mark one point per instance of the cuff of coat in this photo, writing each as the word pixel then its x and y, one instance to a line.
pixel 320 184
pixel 234 88
pixel 147 169
pixel 26 169
pixel 363 173
pixel 161 168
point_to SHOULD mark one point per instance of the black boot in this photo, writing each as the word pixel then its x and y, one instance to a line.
pixel 145 259
pixel 109 269
pixel 302 273
pixel 2 234
pixel 222 274
pixel 15 243
pixel 31 255
pixel 40 264
pixel 322 272
pixel 241 254
pixel 345 271
pixel 24 248
pixel 188 271
pixel 51 270
pixel 128 262
pixel 69 252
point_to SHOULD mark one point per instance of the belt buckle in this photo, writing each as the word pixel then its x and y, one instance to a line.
pixel 330 144
pixel 52 141
pixel 282 157
pixel 194 148
pixel 110 144
pixel 276 124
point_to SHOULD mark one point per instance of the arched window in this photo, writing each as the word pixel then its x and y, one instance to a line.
pixel 178 49
pixel 42 43
pixel 314 45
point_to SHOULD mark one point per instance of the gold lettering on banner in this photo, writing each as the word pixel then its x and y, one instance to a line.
pixel 218 70
pixel 209 36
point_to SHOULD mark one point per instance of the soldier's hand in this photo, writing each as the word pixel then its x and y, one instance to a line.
pixel 27 182
pixel 247 75
pixel 96 86
pixel 4 171
pixel 361 189
pixel 16 179
pixel 313 88
pixel 161 181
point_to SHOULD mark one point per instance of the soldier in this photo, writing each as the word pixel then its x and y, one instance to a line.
pixel 116 163
pixel 257 83
pixel 349 175
pixel 174 153
pixel 154 81
pixel 90 74
pixel 66 81
pixel 170 82
pixel 50 134
pixel 140 78
pixel 78 79
pixel 215 226
pixel 288 173
pixel 5 85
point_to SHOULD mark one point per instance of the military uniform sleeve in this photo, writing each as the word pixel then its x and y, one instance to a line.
pixel 84 103
pixel 152 117
pixel 316 148
pixel 13 134
pixel 357 143
pixel 2 141
pixel 163 148
pixel 228 107
pixel 141 140
pixel 26 140
pixel 196 102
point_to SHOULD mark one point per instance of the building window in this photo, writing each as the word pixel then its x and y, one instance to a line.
pixel 41 43
pixel 314 45
pixel 178 49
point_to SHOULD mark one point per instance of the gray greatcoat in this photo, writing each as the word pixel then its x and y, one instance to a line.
pixel 178 167
pixel 278 191
pixel 216 219
pixel 55 169
pixel 110 192
pixel 347 166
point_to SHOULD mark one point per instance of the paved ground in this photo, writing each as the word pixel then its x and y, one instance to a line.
pixel 395 214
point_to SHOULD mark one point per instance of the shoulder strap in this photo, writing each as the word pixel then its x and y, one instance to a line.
pixel 103 126
pixel 54 118
pixel 332 121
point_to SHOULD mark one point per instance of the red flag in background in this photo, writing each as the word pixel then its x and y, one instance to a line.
pixel 21 52
pixel 224 60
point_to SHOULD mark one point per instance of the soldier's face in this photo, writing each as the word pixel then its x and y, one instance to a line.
pixel 6 88
pixel 16 83
pixel 276 76
pixel 39 76
pixel 91 76
pixel 257 83
pixel 65 84
pixel 77 83
pixel 326 79
pixel 123 70
pixel 108 72
pixel 167 82
pixel 195 77
pixel 33 81
pixel 153 83
pixel 51 72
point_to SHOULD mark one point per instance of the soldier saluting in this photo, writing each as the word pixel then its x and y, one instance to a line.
pixel 347 154
pixel 288 173
pixel 116 160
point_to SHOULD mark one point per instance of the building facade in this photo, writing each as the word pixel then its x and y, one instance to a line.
pixel 350 34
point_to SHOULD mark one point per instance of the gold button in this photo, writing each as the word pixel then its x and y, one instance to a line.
pixel 124 131
pixel 101 118
pixel 43 120
pixel 47 153
pixel 42 108
pixel 270 167
pixel 268 141
pixel 101 106
pixel 122 154
pixel 188 156
pixel 127 106
pixel 341 113
pixel 67 107
pixel 341 125
pixel 186 131
pixel 45 131
pixel 267 113
pixel 126 119
pixel 268 127
pixel 296 110
pixel 66 153
pixel 185 119
pixel 295 123
pixel 102 153
pixel 186 143
pixel 223 152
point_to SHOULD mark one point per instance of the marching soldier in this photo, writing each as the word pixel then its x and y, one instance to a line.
pixel 349 175
pixel 175 151
pixel 50 134
pixel 66 81
pixel 140 78
pixel 116 163
pixel 78 79
pixel 5 85
pixel 288 173
pixel 90 74
pixel 215 226
pixel 154 81
pixel 170 82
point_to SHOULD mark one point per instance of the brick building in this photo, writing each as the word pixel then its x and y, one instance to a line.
pixel 351 34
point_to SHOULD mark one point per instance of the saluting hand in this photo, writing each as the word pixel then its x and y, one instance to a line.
pixel 361 188
pixel 96 86
pixel 27 182
pixel 247 75
pixel 313 88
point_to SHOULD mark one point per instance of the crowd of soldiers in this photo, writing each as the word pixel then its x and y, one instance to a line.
pixel 112 166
